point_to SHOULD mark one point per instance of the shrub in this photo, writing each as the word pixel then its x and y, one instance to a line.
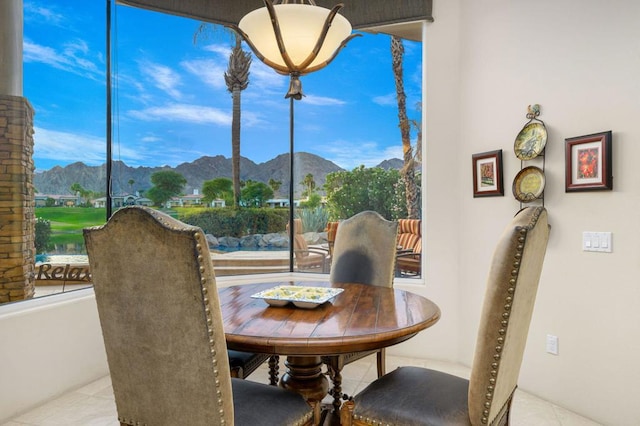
pixel 43 235
pixel 238 222
pixel 313 220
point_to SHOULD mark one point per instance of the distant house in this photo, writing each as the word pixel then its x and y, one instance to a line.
pixel 191 200
pixel 281 202
pixel 122 200
pixel 218 203
pixel 41 200
pixel 59 200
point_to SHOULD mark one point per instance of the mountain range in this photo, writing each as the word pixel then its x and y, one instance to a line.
pixel 58 180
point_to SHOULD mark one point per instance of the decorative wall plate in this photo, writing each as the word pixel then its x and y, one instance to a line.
pixel 531 140
pixel 528 184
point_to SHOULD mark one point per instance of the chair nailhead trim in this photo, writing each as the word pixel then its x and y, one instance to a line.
pixel 504 322
pixel 210 331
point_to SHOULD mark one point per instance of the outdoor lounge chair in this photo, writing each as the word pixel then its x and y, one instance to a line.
pixel 409 256
pixel 308 259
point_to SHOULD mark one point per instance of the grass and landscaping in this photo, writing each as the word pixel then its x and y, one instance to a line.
pixel 67 222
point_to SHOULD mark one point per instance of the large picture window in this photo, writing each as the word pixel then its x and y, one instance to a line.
pixel 173 143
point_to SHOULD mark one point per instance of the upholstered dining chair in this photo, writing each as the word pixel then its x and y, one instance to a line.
pixel 419 396
pixel 242 364
pixel 364 253
pixel 162 328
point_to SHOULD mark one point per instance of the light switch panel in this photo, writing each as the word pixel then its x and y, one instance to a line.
pixel 597 241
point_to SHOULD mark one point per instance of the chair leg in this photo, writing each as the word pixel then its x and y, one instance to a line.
pixel 381 362
pixel 237 372
pixel 274 367
pixel 346 413
pixel 336 391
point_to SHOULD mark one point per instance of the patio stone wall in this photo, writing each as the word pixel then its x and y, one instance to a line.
pixel 17 215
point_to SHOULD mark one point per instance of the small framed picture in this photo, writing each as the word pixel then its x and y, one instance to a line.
pixel 588 163
pixel 487 174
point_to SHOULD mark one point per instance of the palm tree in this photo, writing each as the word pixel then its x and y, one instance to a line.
pixel 274 184
pixel 309 183
pixel 408 170
pixel 237 79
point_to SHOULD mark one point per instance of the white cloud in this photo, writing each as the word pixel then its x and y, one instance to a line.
pixel 64 147
pixel 220 49
pixel 265 79
pixel 322 101
pixel 211 72
pixel 386 100
pixel 163 77
pixel 73 57
pixel 350 154
pixel 33 11
pixel 183 113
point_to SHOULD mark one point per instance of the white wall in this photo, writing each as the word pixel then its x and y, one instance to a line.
pixel 580 60
pixel 47 349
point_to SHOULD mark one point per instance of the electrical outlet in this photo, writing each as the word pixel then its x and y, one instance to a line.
pixel 552 344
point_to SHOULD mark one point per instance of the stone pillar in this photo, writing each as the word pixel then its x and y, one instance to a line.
pixel 11 29
pixel 17 202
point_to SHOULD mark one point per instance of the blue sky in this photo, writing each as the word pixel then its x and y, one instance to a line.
pixel 170 100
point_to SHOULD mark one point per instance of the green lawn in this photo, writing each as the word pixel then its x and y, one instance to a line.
pixel 71 219
pixel 67 222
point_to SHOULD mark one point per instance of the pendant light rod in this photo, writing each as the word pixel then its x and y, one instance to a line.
pixel 108 200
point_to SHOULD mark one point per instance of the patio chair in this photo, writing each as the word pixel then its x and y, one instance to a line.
pixel 364 253
pixel 418 396
pixel 310 259
pixel 410 263
pixel 332 230
pixel 409 258
pixel 409 234
pixel 162 327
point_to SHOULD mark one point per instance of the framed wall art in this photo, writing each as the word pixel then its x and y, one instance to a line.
pixel 588 163
pixel 487 174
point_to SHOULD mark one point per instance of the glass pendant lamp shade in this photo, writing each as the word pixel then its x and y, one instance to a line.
pixel 301 27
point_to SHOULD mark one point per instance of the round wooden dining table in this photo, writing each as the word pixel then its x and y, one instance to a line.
pixel 360 318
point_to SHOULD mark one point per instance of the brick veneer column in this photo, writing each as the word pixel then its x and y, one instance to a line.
pixel 17 216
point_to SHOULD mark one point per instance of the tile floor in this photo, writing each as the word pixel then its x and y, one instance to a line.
pixel 94 405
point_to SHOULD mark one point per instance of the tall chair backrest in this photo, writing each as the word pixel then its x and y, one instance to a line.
pixel 365 250
pixel 508 306
pixel 161 320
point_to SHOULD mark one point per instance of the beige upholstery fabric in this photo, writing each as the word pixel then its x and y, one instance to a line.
pixel 508 306
pixel 171 366
pixel 416 396
pixel 364 251
pixel 162 327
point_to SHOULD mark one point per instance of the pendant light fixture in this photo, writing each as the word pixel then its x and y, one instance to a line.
pixel 294 38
